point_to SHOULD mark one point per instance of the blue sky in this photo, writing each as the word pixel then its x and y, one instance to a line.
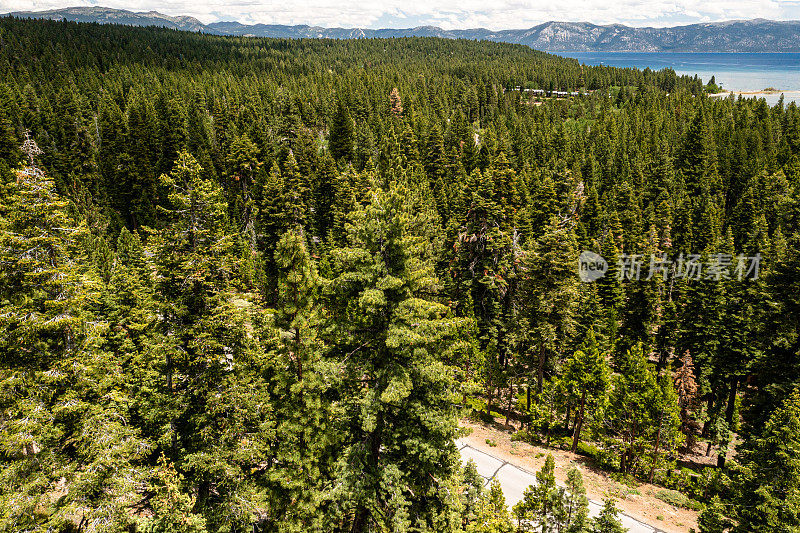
pixel 449 14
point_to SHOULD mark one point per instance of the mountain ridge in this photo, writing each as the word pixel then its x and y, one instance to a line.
pixel 756 35
pixel 106 15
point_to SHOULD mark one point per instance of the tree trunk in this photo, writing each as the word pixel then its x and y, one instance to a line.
pixel 361 518
pixel 655 448
pixel 540 370
pixel 729 412
pixel 298 354
pixel 510 400
pixel 578 423
pixel 173 424
pixel 707 424
pixel 203 490
pixel 662 362
pixel 528 397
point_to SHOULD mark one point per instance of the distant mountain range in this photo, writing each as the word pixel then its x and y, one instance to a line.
pixel 756 35
pixel 106 15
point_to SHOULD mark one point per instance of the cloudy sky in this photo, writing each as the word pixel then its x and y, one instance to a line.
pixel 450 14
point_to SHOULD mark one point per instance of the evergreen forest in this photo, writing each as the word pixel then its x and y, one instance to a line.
pixel 253 285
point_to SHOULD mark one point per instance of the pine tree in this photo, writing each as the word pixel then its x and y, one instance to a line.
pixel 395 103
pixel 767 486
pixel 297 193
pixel 323 192
pixel 174 132
pixel 576 504
pixel 205 385
pixel 609 287
pixel 740 332
pixel 700 322
pixel 549 293
pixel 472 493
pixel 591 214
pixel 128 299
pixel 607 521
pixel 713 518
pixel 138 176
pixel 56 434
pixel 542 507
pixel 642 316
pixel 409 146
pixel 434 156
pixel 588 375
pixel 304 443
pixel 481 269
pixel 298 283
pixel 172 508
pixel 638 408
pixel 775 372
pixel 243 166
pixel 666 418
pixel 482 256
pixel 342 133
pixel 9 144
pixel 698 162
pixel 397 419
pixel 508 198
pixel 344 201
pixel 686 388
pixel 492 514
pixel 272 222
pixel 111 122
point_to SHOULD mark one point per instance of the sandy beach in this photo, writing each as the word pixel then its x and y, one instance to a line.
pixel 788 94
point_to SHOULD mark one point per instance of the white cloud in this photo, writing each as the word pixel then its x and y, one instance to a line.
pixel 450 14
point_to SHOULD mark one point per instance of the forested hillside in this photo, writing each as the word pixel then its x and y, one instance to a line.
pixel 252 284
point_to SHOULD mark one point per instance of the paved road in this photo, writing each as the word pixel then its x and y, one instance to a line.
pixel 515 479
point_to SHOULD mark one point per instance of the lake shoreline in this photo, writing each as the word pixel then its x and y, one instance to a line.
pixel 743 74
pixel 787 93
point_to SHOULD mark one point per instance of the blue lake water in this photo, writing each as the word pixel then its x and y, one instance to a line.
pixel 735 72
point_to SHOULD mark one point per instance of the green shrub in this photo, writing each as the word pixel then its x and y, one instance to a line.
pixel 625 479
pixel 589 450
pixel 693 484
pixel 602 458
pixel 476 403
pixel 483 417
pixel 619 492
pixel 521 436
pixel 564 443
pixel 678 499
